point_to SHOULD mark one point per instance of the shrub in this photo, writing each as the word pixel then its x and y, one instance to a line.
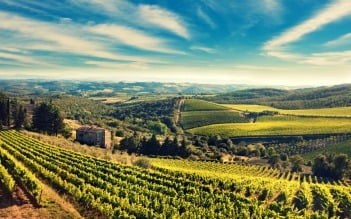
pixel 143 163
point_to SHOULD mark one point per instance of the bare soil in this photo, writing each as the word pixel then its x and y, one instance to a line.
pixel 20 205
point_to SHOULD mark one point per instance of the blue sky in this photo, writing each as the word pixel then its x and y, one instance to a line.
pixel 266 42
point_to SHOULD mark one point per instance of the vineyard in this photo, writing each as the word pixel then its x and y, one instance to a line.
pixel 278 125
pixel 323 112
pixel 201 118
pixel 201 105
pixel 250 107
pixel 199 113
pixel 229 120
pixel 173 188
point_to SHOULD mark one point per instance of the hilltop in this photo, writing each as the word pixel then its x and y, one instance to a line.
pixel 307 98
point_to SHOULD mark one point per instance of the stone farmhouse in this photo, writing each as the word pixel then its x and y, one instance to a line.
pixel 94 136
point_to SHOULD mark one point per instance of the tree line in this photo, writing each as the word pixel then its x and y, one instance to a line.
pixel 46 118
pixel 12 113
pixel 152 146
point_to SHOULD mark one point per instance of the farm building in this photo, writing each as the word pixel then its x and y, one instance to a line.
pixel 94 136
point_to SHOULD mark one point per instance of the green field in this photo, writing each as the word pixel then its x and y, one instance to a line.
pixel 201 105
pixel 278 125
pixel 194 119
pixel 173 188
pixel 206 118
pixel 250 107
pixel 324 112
pixel 344 147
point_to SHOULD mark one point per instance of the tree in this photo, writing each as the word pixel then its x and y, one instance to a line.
pixel 130 144
pixel 321 166
pixel 157 128
pixel 335 167
pixel 274 160
pixel 19 116
pixel 47 118
pixel 341 166
pixel 170 147
pixel 150 147
pixel 165 148
pixel 296 163
pixel 183 150
pixel 4 109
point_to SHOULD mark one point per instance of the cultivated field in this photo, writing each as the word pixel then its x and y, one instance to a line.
pixel 194 119
pixel 199 113
pixel 250 107
pixel 298 196
pixel 278 125
pixel 201 105
pixel 205 118
pixel 177 188
pixel 323 112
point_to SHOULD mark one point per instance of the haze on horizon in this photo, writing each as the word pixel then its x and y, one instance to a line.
pixel 268 42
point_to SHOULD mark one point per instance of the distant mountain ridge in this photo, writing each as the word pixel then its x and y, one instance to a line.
pixel 90 88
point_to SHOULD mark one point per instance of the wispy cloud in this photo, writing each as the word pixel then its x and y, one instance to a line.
pixel 278 46
pixel 19 58
pixel 57 38
pixel 114 65
pixel 203 49
pixel 159 17
pixel 133 37
pixel 328 58
pixel 205 18
pixel 270 6
pixel 335 11
pixel 343 40
pixel 151 16
pixel 112 7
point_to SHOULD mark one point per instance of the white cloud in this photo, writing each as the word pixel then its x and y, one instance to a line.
pixel 335 11
pixel 13 50
pixel 203 49
pixel 112 7
pixel 114 65
pixel 132 37
pixel 20 58
pixel 343 40
pixel 141 15
pixel 271 6
pixel 285 55
pixel 328 58
pixel 65 20
pixel 165 19
pixel 56 38
pixel 277 47
pixel 201 14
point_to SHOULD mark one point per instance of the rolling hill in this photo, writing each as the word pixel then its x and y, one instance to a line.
pixel 321 97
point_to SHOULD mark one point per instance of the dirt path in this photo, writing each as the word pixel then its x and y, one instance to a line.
pixel 177 115
pixel 19 205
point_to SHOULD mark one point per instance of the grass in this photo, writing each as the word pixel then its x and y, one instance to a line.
pixel 201 105
pixel 323 112
pixel 59 141
pixel 278 125
pixel 206 118
pixel 250 107
pixel 194 119
pixel 344 147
